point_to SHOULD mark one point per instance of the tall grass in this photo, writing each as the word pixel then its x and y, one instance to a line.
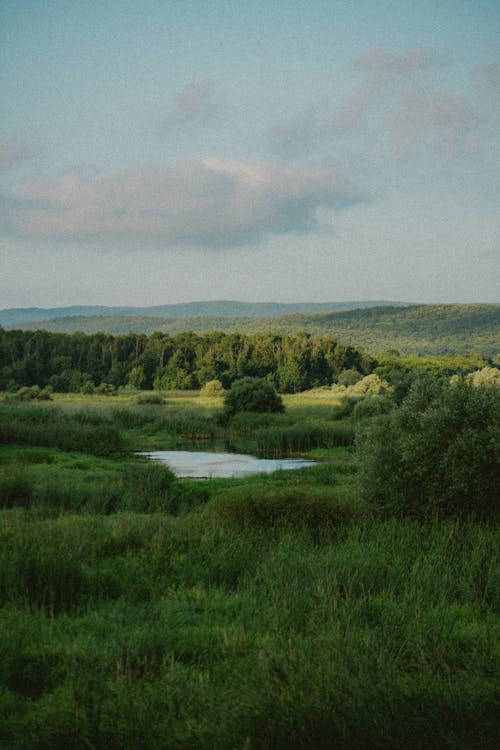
pixel 188 636
pixel 32 425
pixel 304 437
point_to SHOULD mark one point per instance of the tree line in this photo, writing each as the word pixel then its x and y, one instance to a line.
pixel 79 362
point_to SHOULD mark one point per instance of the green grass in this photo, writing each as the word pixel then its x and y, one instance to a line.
pixel 261 613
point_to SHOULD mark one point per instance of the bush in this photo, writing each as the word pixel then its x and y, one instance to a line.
pixel 212 388
pixel 349 377
pixel 105 389
pixel 372 406
pixel 150 398
pixel 370 385
pixel 345 408
pixel 437 453
pixel 253 395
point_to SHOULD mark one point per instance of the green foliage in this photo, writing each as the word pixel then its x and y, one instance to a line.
pixel 369 385
pixel 252 395
pixel 276 441
pixel 297 507
pixel 372 406
pixel 105 389
pixel 33 425
pixel 212 388
pixel 74 363
pixel 16 490
pixel 150 398
pixel 437 453
pixel 33 393
pixel 142 611
pixel 246 636
pixel 428 329
pixel 349 377
pixel 489 376
pixel 152 488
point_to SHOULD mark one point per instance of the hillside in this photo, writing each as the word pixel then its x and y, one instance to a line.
pixel 215 308
pixel 428 329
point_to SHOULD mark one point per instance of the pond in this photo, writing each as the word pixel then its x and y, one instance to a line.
pixel 218 465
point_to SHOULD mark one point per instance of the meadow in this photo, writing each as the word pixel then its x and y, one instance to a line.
pixel 283 611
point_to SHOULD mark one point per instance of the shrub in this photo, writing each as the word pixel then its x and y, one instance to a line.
pixel 253 395
pixel 105 389
pixel 345 408
pixel 212 388
pixel 370 384
pixel 372 406
pixel 437 453
pixel 87 388
pixel 150 398
pixel 349 377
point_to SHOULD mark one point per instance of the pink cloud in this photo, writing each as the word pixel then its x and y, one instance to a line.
pixel 206 203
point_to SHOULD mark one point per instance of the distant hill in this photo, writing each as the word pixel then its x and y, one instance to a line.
pixel 428 329
pixel 217 308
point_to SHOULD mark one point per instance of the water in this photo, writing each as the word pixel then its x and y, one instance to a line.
pixel 218 465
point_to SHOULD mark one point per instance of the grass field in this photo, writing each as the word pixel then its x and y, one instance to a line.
pixel 271 612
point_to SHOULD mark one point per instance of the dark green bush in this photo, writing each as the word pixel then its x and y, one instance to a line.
pixel 345 408
pixel 437 453
pixel 253 395
pixel 372 406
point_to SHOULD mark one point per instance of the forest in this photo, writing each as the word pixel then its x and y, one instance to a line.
pixel 291 363
pixel 185 361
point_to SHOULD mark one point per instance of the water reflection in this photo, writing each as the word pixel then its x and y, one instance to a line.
pixel 218 465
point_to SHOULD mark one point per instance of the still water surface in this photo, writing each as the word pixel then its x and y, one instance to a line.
pixel 208 465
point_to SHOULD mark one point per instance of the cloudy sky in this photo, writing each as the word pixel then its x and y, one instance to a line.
pixel 178 150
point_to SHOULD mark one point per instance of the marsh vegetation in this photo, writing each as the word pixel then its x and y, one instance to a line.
pixel 350 604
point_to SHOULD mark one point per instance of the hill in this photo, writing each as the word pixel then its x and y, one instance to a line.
pixel 214 308
pixel 428 329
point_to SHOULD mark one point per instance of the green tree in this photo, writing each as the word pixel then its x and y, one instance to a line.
pixel 252 394
pixel 436 453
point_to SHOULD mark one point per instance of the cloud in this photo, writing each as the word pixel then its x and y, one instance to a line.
pixel 381 63
pixel 295 137
pixel 11 153
pixel 379 107
pixel 193 104
pixel 425 116
pixel 385 72
pixel 395 110
pixel 209 203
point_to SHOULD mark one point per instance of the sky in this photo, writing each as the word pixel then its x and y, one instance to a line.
pixel 178 150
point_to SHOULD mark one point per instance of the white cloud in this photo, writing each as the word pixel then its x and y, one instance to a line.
pixel 204 203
